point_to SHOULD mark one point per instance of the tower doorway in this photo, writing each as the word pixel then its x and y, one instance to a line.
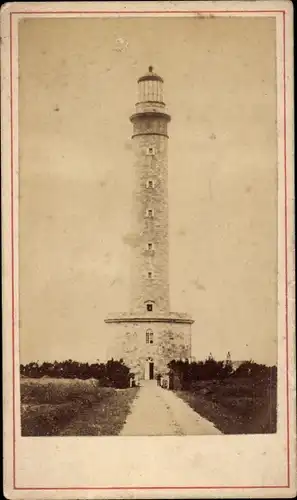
pixel 151 370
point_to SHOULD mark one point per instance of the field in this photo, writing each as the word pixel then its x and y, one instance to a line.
pixel 236 405
pixel 72 407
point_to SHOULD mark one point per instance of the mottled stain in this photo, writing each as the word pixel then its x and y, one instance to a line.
pixel 181 232
pixel 132 239
pixel 198 285
pixel 114 281
pixel 121 45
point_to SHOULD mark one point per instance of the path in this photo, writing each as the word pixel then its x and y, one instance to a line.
pixel 159 412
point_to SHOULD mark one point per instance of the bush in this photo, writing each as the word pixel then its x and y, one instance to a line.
pixel 118 373
pixel 255 370
pixel 189 373
pixel 111 374
pixel 186 375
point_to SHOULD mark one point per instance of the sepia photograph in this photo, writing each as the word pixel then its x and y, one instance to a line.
pixel 148 265
pixel 148 226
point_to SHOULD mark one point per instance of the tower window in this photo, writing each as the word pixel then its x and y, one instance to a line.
pixel 150 212
pixel 149 336
pixel 149 246
pixel 149 307
pixel 149 274
pixel 150 151
pixel 150 184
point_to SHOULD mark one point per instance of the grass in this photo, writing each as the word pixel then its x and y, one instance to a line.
pixel 236 406
pixel 64 407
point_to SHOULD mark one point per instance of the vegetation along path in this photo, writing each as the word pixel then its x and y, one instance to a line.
pixel 66 407
pixel 159 412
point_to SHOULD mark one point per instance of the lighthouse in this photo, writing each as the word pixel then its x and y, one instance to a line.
pixel 150 335
pixel 150 258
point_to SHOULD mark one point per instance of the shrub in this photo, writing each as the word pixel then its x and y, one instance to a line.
pixel 186 375
pixel 118 373
pixel 111 374
pixel 255 371
pixel 191 372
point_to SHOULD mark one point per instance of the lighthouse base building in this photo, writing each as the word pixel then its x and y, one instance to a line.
pixel 147 345
pixel 149 336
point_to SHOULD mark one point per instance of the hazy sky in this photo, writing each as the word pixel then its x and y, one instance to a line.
pixel 78 87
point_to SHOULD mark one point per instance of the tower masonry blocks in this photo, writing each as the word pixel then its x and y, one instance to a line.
pixel 150 335
pixel 170 341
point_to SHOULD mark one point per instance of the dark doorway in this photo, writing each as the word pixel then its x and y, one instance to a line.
pixel 151 371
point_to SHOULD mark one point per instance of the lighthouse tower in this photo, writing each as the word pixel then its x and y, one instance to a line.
pixel 150 262
pixel 149 335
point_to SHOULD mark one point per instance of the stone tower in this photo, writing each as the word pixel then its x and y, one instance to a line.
pixel 150 335
pixel 150 264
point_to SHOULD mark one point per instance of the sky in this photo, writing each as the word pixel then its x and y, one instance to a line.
pixel 77 89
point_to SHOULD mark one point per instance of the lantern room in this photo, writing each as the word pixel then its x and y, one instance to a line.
pixel 150 87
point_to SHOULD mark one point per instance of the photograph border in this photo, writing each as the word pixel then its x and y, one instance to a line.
pixel 283 14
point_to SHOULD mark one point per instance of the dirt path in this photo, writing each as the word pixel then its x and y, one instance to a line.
pixel 159 412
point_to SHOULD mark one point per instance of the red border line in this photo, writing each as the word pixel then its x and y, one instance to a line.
pixel 12 252
pixel 146 12
pixel 153 488
pixel 286 247
pixel 286 260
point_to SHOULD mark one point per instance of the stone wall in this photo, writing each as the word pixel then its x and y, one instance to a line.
pixel 150 229
pixel 170 341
